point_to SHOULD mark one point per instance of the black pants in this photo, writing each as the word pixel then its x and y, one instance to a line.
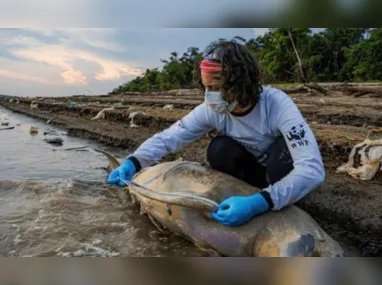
pixel 227 155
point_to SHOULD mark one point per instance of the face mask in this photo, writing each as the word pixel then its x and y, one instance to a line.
pixel 215 101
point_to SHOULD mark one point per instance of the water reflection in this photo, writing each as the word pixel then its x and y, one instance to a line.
pixel 27 156
pixel 56 203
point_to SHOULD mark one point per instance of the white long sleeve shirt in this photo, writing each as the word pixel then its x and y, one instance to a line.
pixel 276 114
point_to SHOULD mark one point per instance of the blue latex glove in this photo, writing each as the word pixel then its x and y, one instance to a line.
pixel 238 210
pixel 125 171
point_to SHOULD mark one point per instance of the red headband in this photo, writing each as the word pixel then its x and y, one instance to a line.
pixel 210 67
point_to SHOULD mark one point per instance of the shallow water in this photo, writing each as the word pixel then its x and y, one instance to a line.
pixel 25 156
pixel 56 203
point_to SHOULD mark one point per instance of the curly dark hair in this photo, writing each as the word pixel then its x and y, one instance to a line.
pixel 241 78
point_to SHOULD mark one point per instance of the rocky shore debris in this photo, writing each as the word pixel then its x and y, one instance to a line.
pixel 50 132
pixel 73 106
pixel 54 141
pixel 33 130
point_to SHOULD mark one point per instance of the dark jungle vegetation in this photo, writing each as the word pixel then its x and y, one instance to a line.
pixel 334 55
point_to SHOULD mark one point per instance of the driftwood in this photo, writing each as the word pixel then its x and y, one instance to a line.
pixel 362 91
pixel 297 90
pixel 306 88
pixel 316 87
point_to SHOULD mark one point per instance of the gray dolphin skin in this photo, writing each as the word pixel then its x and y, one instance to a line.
pixel 182 194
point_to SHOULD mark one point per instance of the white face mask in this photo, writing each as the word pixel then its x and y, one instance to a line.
pixel 215 101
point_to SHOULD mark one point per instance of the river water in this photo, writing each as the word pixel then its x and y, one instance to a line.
pixel 56 203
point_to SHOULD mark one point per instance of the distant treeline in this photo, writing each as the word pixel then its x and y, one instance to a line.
pixel 336 54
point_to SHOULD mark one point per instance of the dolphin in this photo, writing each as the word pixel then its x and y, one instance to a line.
pixel 178 197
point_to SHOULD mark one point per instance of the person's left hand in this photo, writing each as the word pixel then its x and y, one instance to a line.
pixel 238 210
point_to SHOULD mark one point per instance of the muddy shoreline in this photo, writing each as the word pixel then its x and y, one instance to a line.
pixel 347 209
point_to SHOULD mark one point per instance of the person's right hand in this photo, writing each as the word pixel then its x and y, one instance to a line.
pixel 125 171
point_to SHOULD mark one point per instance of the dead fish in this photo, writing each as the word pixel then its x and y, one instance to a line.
pixel 34 105
pixel 101 114
pixel 288 232
pixel 370 156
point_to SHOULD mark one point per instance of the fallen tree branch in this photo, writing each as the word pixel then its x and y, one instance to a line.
pixel 316 87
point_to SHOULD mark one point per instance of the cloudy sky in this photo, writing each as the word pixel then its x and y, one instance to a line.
pixel 46 60
pixel 50 62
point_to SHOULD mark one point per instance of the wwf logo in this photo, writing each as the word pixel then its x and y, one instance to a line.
pixel 296 135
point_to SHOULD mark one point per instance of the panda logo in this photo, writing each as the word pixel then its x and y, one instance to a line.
pixel 296 133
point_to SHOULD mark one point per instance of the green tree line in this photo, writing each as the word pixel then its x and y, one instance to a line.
pixel 335 54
